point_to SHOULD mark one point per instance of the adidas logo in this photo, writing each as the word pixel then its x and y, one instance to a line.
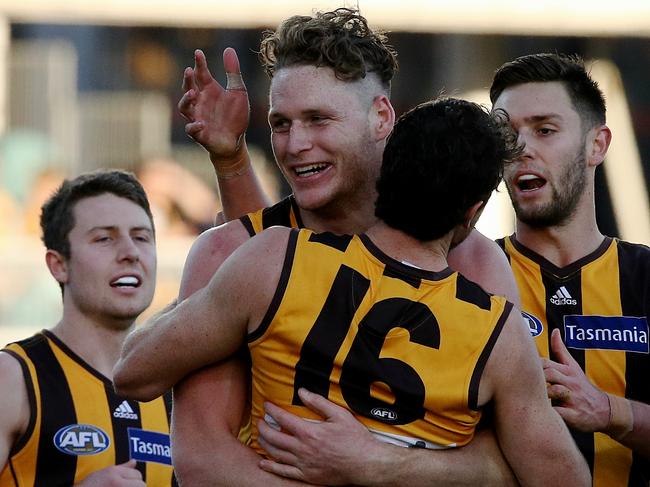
pixel 562 297
pixel 124 411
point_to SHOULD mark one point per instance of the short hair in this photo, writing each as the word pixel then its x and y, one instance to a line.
pixel 340 39
pixel 585 95
pixel 443 157
pixel 57 216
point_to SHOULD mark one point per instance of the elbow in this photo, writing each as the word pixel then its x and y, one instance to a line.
pixel 130 384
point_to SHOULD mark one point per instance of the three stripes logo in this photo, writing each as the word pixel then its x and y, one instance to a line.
pixel 562 297
pixel 124 411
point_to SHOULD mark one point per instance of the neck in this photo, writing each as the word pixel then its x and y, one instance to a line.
pixel 98 344
pixel 431 256
pixel 349 219
pixel 563 244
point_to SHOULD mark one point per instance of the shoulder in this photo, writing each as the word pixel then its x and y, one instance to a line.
pixel 478 247
pixel 272 240
pixel 635 252
pixel 208 252
pixel 482 260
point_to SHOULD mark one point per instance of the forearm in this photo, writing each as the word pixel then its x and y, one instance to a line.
pixel 206 449
pixel 240 189
pixel 479 463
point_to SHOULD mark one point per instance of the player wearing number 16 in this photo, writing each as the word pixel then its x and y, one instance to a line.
pixel 378 323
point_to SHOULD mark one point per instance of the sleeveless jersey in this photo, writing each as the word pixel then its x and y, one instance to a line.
pixel 402 348
pixel 601 305
pixel 284 214
pixel 78 425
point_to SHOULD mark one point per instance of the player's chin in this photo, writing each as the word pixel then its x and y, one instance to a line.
pixel 315 198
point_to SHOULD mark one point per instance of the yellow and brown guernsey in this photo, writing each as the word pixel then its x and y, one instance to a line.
pixel 284 213
pixel 78 424
pixel 402 348
pixel 601 305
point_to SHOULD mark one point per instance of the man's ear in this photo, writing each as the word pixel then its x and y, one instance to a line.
pixel 598 142
pixel 57 265
pixel 382 117
pixel 473 214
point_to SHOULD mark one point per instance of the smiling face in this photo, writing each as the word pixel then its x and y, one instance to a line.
pixel 549 181
pixel 110 275
pixel 323 137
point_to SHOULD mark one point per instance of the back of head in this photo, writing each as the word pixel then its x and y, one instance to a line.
pixel 583 91
pixel 57 216
pixel 340 40
pixel 443 157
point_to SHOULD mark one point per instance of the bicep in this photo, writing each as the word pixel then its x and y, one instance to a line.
pixel 212 400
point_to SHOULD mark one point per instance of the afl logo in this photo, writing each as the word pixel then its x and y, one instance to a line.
pixel 534 324
pixel 384 414
pixel 81 439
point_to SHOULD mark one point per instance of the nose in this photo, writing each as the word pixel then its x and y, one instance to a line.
pixel 299 139
pixel 526 146
pixel 128 250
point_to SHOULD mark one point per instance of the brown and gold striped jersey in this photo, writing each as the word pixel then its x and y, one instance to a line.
pixel 284 213
pixel 402 348
pixel 601 305
pixel 78 425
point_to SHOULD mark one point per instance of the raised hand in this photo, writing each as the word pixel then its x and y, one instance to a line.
pixel 581 404
pixel 217 117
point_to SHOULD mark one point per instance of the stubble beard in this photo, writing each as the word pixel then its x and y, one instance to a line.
pixel 564 199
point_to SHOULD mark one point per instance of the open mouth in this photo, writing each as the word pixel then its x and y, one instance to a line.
pixel 310 170
pixel 126 282
pixel 529 182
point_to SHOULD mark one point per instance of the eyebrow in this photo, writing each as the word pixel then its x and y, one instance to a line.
pixel 543 117
pixel 111 228
pixel 305 112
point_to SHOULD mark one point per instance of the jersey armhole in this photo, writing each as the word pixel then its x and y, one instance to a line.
pixel 472 398
pixel 280 290
pixel 31 397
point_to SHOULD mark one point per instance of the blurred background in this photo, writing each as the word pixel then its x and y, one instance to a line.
pixel 87 84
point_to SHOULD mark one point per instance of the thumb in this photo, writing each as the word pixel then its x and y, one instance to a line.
pixel 233 72
pixel 559 349
pixel 129 464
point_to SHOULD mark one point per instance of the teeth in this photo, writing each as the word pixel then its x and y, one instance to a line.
pixel 126 281
pixel 311 168
pixel 528 177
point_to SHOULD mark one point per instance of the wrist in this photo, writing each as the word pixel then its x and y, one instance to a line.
pixel 621 418
pixel 234 165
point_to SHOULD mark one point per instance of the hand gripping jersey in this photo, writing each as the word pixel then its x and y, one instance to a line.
pixel 402 348
pixel 601 305
pixel 78 425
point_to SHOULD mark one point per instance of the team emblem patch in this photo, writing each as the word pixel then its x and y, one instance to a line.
pixel 534 323
pixel 149 446
pixel 624 333
pixel 81 439
pixel 384 414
